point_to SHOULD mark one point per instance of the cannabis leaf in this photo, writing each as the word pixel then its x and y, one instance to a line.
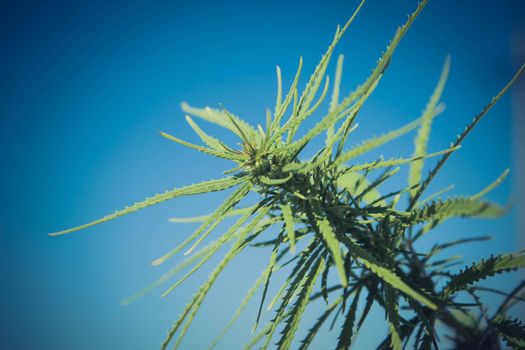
pixel 328 214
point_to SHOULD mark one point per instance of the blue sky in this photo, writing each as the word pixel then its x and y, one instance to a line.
pixel 86 86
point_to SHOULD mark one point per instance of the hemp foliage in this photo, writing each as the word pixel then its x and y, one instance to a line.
pixel 334 208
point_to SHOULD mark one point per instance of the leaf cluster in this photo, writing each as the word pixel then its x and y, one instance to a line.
pixel 334 208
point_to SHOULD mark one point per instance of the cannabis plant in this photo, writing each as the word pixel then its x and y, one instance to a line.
pixel 333 207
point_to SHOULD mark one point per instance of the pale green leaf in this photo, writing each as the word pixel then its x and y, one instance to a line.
pixel 170 274
pixel 421 140
pixel 371 263
pixel 275 182
pixel 289 224
pixel 189 220
pixel 334 101
pixel 232 231
pixel 219 154
pixel 303 109
pixel 355 183
pixel 375 142
pixel 464 134
pixel 492 186
pixel 199 188
pixel 396 161
pixel 292 323
pixel 279 112
pixel 279 97
pixel 210 141
pixel 193 306
pixel 220 117
pixel 210 223
pixel 325 230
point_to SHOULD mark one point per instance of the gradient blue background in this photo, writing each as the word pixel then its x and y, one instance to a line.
pixel 85 86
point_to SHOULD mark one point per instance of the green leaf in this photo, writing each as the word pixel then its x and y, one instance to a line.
pixel 464 134
pixel 275 130
pixel 372 264
pixel 513 331
pixel 262 333
pixel 434 195
pixel 172 273
pixel 275 182
pixel 294 284
pixel 209 224
pixel 289 224
pixel 347 332
pixel 268 273
pixel 306 254
pixel 219 154
pixel 329 121
pixel 324 278
pixel 193 306
pixel 394 161
pixel 482 270
pixel 382 63
pixel 248 135
pixel 189 220
pixel 334 204
pixel 405 330
pixel 210 141
pixel 313 84
pixel 279 97
pixel 516 295
pixel 334 101
pixel 235 198
pixel 348 124
pixel 454 207
pixel 327 233
pixel 392 312
pixel 375 142
pixel 232 231
pixel 199 188
pixel 355 183
pixel 440 247
pixel 421 140
pixel 220 117
pixel 371 296
pixel 492 186
pixel 242 306
pixel 307 341
pixel 321 97
pixel 306 287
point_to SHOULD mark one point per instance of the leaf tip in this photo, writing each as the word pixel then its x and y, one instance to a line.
pixel 157 262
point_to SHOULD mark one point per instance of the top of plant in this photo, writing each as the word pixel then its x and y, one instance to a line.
pixel 336 206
